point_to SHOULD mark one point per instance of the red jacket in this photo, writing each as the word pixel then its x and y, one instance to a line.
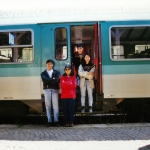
pixel 68 86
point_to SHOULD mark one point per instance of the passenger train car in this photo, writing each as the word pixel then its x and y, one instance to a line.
pixel 115 33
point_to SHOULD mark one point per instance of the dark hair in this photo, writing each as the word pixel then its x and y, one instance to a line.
pixel 80 45
pixel 49 60
pixel 71 73
pixel 84 62
pixel 88 55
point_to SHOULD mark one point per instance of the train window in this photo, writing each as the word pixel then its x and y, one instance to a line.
pixel 16 46
pixel 61 44
pixel 130 43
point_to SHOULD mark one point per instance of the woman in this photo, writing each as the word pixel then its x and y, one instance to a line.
pixel 86 73
pixel 68 95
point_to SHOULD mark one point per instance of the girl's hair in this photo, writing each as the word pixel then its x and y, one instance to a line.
pixel 84 62
pixel 88 55
pixel 71 73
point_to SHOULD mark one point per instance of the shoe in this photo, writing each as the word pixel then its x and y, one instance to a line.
pixel 67 125
pixel 56 124
pixel 49 124
pixel 90 109
pixel 71 125
pixel 82 109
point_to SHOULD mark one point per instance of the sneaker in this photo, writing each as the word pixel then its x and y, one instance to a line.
pixel 49 124
pixel 82 109
pixel 71 125
pixel 90 109
pixel 56 124
pixel 67 125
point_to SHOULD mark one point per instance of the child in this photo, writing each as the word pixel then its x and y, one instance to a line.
pixel 68 95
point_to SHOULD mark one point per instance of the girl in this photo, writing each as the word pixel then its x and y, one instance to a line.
pixel 86 73
pixel 68 95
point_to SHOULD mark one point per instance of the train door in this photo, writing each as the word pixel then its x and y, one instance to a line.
pixel 89 36
pixel 98 57
pixel 55 45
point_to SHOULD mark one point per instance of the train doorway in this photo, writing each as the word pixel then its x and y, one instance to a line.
pixel 83 35
pixel 89 37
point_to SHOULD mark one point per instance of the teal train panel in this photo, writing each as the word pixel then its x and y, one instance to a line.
pixel 126 69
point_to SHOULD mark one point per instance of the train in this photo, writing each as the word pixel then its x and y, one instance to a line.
pixel 115 33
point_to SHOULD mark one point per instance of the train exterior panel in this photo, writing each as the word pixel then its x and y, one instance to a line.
pixel 21 80
pixel 124 78
pixel 121 79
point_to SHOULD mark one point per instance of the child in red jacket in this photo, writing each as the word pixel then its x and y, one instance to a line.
pixel 68 95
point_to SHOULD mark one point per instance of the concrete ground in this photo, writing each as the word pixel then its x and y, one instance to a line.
pixel 134 136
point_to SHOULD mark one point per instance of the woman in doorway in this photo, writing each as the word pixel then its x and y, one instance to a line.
pixel 86 73
pixel 68 95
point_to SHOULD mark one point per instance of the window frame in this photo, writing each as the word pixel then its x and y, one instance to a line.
pixel 129 59
pixel 13 46
pixel 55 43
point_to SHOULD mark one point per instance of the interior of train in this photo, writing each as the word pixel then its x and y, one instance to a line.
pixel 16 46
pixel 130 42
pixel 84 35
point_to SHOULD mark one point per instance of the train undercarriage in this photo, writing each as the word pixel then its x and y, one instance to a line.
pixel 104 111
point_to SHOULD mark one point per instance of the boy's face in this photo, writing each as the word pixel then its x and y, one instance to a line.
pixel 80 50
pixel 49 66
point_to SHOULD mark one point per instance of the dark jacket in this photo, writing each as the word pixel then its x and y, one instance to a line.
pixel 78 59
pixel 50 83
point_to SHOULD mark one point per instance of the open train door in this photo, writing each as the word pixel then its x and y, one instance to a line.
pixel 98 61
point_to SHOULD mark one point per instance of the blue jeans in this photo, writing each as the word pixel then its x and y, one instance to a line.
pixel 89 90
pixel 51 98
pixel 68 109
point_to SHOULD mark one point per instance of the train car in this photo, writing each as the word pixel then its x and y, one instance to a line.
pixel 116 35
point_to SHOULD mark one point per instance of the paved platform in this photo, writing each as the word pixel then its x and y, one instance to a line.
pixel 134 136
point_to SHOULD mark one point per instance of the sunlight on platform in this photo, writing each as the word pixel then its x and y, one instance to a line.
pixel 75 145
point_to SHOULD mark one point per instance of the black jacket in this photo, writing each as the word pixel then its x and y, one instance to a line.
pixel 50 83
pixel 78 59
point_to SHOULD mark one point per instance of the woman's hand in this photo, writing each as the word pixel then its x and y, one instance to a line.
pixel 91 73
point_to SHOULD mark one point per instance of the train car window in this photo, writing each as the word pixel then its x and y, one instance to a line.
pixel 130 43
pixel 16 46
pixel 61 48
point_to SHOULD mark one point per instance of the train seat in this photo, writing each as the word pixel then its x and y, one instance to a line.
pixel 144 54
pixel 130 56
pixel 136 55
pixel 4 59
pixel 141 54
pixel 148 51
